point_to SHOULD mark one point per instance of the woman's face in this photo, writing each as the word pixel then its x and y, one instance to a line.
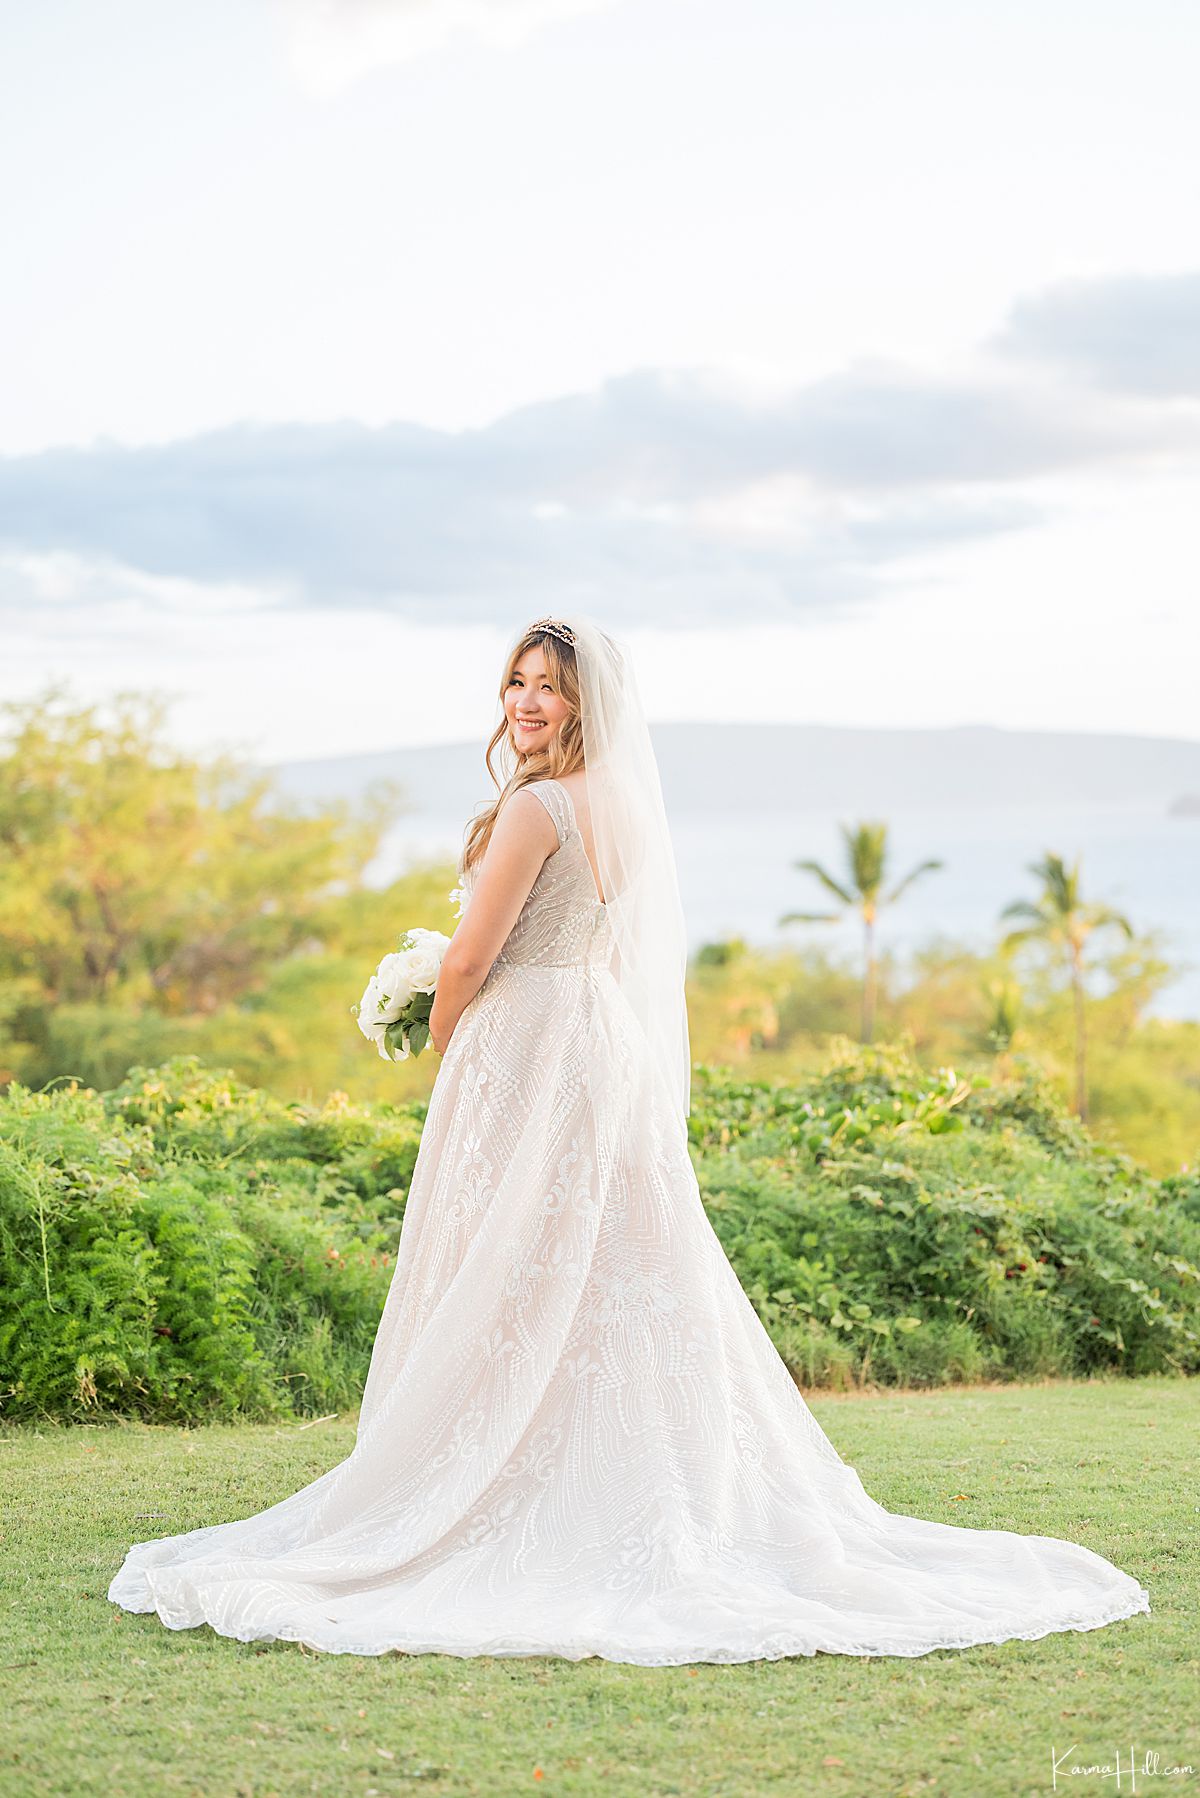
pixel 533 709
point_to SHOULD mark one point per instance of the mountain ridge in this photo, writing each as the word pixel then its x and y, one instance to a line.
pixel 715 767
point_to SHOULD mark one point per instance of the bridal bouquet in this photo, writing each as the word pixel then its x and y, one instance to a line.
pixel 393 1012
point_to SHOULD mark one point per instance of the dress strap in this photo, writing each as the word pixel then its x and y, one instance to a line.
pixel 557 802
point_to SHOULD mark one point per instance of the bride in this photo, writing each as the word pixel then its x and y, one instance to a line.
pixel 576 1436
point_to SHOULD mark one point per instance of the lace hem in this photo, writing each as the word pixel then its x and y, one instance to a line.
pixel 775 1646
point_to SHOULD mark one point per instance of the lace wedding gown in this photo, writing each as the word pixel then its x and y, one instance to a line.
pixel 576 1436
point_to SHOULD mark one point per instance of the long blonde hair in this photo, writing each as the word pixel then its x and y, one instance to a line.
pixel 564 753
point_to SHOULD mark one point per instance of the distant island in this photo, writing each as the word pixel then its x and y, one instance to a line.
pixel 1186 806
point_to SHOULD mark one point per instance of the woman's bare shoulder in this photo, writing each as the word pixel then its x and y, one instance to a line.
pixel 525 811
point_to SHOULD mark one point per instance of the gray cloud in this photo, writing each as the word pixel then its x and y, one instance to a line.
pixel 658 434
pixel 638 489
pixel 1137 333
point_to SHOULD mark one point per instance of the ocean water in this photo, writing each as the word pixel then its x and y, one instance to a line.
pixel 736 875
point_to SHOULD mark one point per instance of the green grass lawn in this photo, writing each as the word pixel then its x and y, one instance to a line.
pixel 97 1701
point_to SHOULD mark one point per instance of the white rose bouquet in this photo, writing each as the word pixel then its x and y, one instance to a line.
pixel 393 1012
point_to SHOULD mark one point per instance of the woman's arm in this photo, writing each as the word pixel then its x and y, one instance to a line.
pixel 522 838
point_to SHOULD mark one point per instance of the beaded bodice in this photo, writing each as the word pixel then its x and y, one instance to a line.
pixel 562 923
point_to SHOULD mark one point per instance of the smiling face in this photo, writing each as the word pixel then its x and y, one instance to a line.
pixel 534 709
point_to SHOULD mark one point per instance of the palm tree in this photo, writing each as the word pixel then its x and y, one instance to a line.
pixel 1003 998
pixel 1060 918
pixel 866 858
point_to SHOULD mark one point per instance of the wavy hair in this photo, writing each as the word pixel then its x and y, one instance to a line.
pixel 564 754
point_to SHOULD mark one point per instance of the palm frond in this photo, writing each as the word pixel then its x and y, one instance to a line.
pixel 1025 908
pixel 866 852
pixel 1016 938
pixel 1103 917
pixel 926 867
pixel 827 881
pixel 1060 884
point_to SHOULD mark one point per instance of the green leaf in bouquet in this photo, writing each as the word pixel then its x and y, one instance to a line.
pixel 418 1036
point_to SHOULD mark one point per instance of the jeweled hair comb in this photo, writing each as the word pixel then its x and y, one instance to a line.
pixel 562 631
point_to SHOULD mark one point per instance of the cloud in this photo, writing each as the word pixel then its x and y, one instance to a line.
pixel 1135 333
pixel 665 486
pixel 665 494
pixel 333 43
pixel 663 435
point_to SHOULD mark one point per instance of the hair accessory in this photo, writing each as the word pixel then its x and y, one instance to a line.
pixel 562 631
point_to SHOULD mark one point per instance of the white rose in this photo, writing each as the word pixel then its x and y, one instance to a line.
pixel 423 958
pixel 364 1011
pixel 374 1012
pixel 393 985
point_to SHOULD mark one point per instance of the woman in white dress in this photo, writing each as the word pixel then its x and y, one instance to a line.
pixel 576 1437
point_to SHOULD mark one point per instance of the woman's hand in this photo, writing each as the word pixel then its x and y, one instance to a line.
pixel 440 1029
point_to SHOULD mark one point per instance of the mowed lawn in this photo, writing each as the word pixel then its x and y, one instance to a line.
pixel 96 1701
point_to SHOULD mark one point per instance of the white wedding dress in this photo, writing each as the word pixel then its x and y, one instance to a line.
pixel 576 1436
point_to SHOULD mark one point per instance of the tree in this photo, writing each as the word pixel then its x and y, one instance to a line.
pixel 1060 918
pixel 732 993
pixel 132 874
pixel 866 858
pixel 1003 998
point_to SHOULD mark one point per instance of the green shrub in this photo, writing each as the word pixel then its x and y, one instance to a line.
pixel 914 1228
pixel 187 1247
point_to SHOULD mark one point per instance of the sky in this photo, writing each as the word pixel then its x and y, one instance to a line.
pixel 845 360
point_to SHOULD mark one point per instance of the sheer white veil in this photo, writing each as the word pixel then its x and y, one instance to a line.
pixel 635 861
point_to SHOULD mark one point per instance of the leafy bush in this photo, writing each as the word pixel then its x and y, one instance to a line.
pixel 186 1247
pixel 913 1228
